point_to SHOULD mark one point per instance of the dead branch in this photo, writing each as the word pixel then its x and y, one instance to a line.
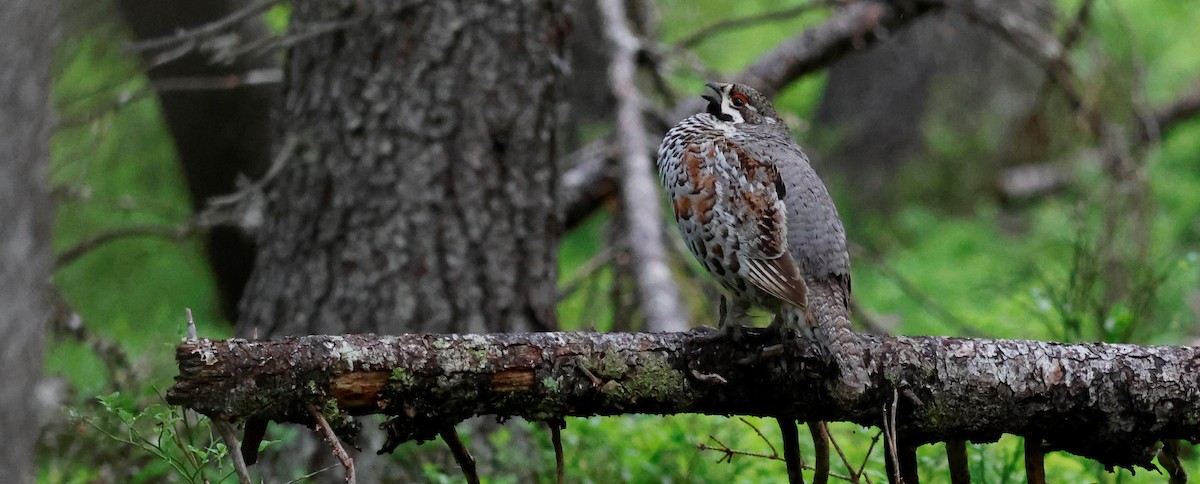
pixel 321 426
pixel 853 27
pixel 956 459
pixel 461 455
pixel 780 15
pixel 230 437
pixel 189 37
pixel 820 437
pixel 657 294
pixel 1107 402
pixel 791 450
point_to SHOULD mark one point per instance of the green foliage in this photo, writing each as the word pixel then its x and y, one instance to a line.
pixel 170 441
pixel 977 267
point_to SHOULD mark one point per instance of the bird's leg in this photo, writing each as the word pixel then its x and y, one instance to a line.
pixel 729 326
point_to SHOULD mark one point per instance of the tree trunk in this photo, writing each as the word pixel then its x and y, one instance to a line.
pixel 28 31
pixel 420 194
pixel 1108 402
pixel 221 133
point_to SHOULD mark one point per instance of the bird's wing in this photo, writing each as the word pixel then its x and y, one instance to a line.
pixel 816 236
pixel 754 196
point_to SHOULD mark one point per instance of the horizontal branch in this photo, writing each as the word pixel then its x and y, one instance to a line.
pixel 1108 402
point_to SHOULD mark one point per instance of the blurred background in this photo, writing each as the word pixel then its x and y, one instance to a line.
pixel 986 192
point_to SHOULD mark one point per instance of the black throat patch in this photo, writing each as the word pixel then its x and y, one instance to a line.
pixel 715 110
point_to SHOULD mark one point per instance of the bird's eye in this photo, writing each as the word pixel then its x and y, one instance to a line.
pixel 738 100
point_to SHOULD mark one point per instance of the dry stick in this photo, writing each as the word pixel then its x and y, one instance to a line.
pixel 322 426
pixel 556 439
pixel 184 37
pixel 736 23
pixel 760 436
pixel 867 458
pixel 461 455
pixel 657 294
pixel 1168 457
pixel 889 436
pixel 1035 470
pixel 846 462
pixel 820 437
pixel 77 251
pixel 231 443
pixel 730 452
pixel 956 457
pixel 791 450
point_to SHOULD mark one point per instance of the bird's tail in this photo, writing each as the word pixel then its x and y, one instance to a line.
pixel 826 320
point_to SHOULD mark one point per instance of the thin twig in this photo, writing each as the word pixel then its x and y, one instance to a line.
pixel 889 437
pixel 867 458
pixel 585 272
pixel 1035 461
pixel 77 251
pixel 1168 457
pixel 335 444
pixel 846 462
pixel 556 439
pixel 791 450
pixel 748 21
pixel 820 438
pixel 231 443
pixel 461 454
pixel 190 36
pixel 657 294
pixel 956 458
pixel 730 452
pixel 760 435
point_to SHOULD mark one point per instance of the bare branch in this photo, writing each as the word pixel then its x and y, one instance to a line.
pixel 322 427
pixel 657 294
pixel 952 387
pixel 791 450
pixel 820 437
pixel 231 443
pixel 748 21
pixel 190 37
pixel 461 455
pixel 556 440
pixel 956 458
pixel 68 256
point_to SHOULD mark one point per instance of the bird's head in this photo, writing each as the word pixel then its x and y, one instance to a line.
pixel 739 103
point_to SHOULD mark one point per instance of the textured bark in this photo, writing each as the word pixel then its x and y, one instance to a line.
pixel 28 31
pixel 420 194
pixel 220 134
pixel 1108 402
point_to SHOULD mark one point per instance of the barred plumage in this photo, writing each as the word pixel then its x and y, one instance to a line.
pixel 753 211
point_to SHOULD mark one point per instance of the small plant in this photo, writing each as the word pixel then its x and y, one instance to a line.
pixel 182 440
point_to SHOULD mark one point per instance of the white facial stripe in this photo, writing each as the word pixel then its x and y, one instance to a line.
pixel 727 106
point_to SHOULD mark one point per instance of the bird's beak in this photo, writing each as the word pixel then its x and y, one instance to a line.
pixel 710 98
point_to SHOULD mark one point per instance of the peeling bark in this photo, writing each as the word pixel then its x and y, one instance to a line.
pixel 1107 402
